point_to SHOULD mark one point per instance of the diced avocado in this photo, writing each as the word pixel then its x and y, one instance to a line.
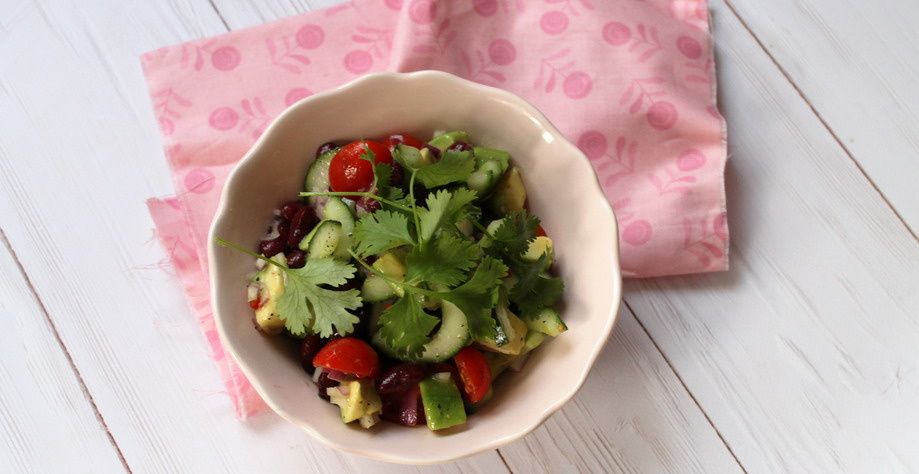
pixel 392 264
pixel 509 195
pixel 443 404
pixel 412 157
pixel 537 248
pixel 362 400
pixel 271 281
pixel 499 362
pixel 547 321
pixel 376 289
pixel 465 227
pixel 445 140
pixel 513 327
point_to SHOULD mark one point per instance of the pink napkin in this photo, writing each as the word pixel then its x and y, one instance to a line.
pixel 632 83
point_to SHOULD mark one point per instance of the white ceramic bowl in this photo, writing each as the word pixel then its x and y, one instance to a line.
pixel 563 191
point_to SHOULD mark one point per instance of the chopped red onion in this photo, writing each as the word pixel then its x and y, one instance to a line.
pixel 337 375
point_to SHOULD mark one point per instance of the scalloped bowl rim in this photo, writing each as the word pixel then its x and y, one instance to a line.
pixel 375 81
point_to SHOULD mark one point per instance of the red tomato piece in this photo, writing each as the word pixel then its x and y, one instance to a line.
pixel 348 171
pixel 398 138
pixel 349 355
pixel 540 232
pixel 474 372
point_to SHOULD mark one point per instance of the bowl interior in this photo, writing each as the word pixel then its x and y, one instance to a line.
pixel 563 192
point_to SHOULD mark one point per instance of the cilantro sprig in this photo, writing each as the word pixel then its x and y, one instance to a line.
pixel 305 306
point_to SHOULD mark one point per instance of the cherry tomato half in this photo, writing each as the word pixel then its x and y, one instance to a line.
pixel 474 372
pixel 349 355
pixel 540 232
pixel 398 138
pixel 348 171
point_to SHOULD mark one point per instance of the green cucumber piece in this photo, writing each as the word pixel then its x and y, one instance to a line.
pixel 452 336
pixel 376 289
pixel 547 321
pixel 445 140
pixel 336 210
pixel 499 362
pixel 484 155
pixel 322 241
pixel 411 157
pixel 317 177
pixel 443 404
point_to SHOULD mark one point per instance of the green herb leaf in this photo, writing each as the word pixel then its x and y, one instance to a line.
pixel 309 309
pixel 446 259
pixel 405 326
pixel 478 296
pixel 431 218
pixel 453 166
pixel 515 233
pixel 379 231
pixel 534 290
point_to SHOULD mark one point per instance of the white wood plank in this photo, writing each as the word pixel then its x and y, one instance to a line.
pixel 632 415
pixel 80 154
pixel 857 63
pixel 804 354
pixel 42 405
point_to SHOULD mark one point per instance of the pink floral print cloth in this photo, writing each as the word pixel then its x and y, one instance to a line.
pixel 632 83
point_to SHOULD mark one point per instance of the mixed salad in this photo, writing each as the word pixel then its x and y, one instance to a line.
pixel 412 275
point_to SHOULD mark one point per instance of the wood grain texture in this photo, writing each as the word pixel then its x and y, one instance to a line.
pixel 632 415
pixel 41 403
pixel 804 354
pixel 857 64
pixel 80 154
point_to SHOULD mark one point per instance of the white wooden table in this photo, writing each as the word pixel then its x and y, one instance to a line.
pixel 803 358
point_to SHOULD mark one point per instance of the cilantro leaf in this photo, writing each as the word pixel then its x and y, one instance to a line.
pixel 405 326
pixel 460 205
pixel 515 233
pixel 453 166
pixel 379 231
pixel 478 296
pixel 533 290
pixel 446 259
pixel 431 217
pixel 309 309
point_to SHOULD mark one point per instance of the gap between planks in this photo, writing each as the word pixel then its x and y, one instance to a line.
pixel 63 347
pixel 823 122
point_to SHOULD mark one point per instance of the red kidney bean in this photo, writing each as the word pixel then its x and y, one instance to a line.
pixel 270 248
pixel 296 259
pixel 300 225
pixel 289 209
pixel 324 148
pixel 434 151
pixel 398 174
pixel 308 349
pixel 460 146
pixel 401 378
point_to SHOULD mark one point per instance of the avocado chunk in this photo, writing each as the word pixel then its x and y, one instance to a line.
pixel 412 157
pixel 539 246
pixel 446 140
pixel 271 287
pixel 499 362
pixel 443 404
pixel 392 264
pixel 360 403
pixel 509 195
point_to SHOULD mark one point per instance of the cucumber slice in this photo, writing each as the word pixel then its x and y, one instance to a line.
pixel 547 321
pixel 317 178
pixel 376 289
pixel 322 241
pixel 336 210
pixel 452 336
